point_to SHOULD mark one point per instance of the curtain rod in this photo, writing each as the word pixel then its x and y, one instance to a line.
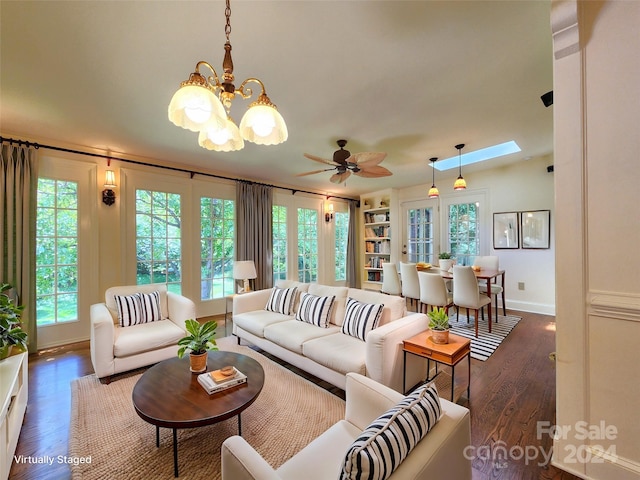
pixel 175 169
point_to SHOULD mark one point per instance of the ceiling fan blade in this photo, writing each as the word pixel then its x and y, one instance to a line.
pixel 340 177
pixel 367 159
pixel 374 172
pixel 314 172
pixel 318 159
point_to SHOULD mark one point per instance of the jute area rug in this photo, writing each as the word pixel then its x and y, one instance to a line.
pixel 289 413
pixel 486 343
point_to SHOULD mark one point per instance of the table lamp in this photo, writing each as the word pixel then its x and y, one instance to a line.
pixel 244 270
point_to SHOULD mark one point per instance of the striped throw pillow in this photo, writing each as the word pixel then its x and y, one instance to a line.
pixel 281 300
pixel 360 318
pixel 387 441
pixel 150 303
pixel 314 309
pixel 129 310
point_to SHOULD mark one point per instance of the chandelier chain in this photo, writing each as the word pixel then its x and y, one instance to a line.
pixel 227 14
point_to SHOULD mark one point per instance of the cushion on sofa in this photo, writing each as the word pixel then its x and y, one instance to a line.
pixel 395 307
pixel 161 288
pixel 387 441
pixel 281 300
pixel 293 334
pixel 129 310
pixel 300 287
pixel 146 337
pixel 339 352
pixel 256 321
pixel 360 318
pixel 337 313
pixel 314 309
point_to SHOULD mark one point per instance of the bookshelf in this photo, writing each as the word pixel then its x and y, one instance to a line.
pixel 377 236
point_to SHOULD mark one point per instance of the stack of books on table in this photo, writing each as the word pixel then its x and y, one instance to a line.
pixel 215 381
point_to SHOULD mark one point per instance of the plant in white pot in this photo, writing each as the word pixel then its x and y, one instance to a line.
pixel 439 325
pixel 445 261
pixel 199 341
pixel 12 337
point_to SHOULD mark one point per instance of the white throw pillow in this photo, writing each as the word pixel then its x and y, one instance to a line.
pixel 281 300
pixel 138 308
pixel 389 439
pixel 150 303
pixel 314 309
pixel 360 318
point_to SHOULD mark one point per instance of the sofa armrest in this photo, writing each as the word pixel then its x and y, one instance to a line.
pixel 251 301
pixel 384 356
pixel 102 336
pixel 241 462
pixel 367 399
pixel 180 309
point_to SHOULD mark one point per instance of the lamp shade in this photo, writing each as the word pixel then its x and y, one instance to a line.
pixel 460 184
pixel 195 107
pixel 110 179
pixel 225 139
pixel 433 192
pixel 244 269
pixel 262 124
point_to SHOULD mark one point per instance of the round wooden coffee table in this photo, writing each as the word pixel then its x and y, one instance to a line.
pixel 168 395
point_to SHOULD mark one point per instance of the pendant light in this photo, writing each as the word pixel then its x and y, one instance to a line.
pixel 433 191
pixel 460 184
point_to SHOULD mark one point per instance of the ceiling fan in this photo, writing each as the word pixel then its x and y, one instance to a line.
pixel 363 164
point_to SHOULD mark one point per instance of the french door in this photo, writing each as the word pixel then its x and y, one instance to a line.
pixel 420 231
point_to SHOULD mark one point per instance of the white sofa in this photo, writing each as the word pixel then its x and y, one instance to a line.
pixel 440 454
pixel 116 349
pixel 326 352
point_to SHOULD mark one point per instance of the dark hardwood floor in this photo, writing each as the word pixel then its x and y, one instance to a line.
pixel 510 393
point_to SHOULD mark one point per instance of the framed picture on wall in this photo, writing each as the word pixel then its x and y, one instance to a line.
pixel 505 230
pixel 535 226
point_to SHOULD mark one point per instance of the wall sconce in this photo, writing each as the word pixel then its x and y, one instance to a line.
pixel 328 214
pixel 108 195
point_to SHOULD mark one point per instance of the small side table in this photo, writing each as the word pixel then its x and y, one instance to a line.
pixel 447 354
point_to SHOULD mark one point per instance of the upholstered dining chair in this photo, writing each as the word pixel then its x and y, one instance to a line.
pixel 410 283
pixel 466 293
pixel 433 291
pixel 492 262
pixel 390 279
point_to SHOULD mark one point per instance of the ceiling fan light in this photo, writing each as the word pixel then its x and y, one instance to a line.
pixel 433 192
pixel 193 107
pixel 460 184
pixel 262 124
pixel 226 139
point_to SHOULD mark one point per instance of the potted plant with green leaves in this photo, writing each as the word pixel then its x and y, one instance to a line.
pixel 439 325
pixel 199 341
pixel 12 337
pixel 446 261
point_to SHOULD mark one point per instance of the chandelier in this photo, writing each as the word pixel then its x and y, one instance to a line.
pixel 202 104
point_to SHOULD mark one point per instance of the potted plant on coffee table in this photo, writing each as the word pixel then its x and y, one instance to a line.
pixel 12 337
pixel 439 325
pixel 199 341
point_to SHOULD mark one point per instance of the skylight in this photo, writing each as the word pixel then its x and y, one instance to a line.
pixel 478 156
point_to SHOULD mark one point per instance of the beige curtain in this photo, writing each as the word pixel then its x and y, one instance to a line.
pixel 352 275
pixel 254 230
pixel 18 190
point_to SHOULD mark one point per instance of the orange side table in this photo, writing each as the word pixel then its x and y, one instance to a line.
pixel 447 354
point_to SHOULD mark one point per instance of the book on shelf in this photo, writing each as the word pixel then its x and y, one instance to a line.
pixel 214 381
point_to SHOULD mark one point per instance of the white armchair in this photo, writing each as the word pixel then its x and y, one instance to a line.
pixel 116 349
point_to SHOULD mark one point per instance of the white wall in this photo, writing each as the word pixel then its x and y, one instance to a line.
pixel 525 185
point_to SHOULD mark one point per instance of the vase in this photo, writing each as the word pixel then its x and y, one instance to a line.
pixel 446 264
pixel 440 336
pixel 198 362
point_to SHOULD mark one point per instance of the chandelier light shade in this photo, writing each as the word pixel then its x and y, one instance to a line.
pixel 433 191
pixel 202 104
pixel 460 183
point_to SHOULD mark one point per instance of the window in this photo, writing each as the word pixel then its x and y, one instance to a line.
pixel 217 240
pixel 56 252
pixel 279 243
pixel 342 236
pixel 464 236
pixel 420 235
pixel 158 239
pixel 307 245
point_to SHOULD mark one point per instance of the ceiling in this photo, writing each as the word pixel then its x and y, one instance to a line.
pixel 412 79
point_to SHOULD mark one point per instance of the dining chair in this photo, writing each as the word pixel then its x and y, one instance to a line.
pixel 390 279
pixel 410 283
pixel 433 292
pixel 492 262
pixel 466 293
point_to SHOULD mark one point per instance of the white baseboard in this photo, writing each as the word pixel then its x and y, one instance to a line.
pixel 544 309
